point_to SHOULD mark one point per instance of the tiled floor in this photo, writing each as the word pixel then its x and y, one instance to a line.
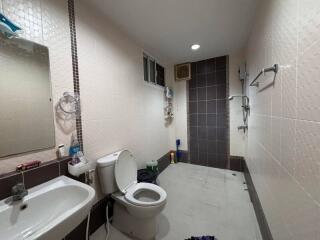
pixel 202 201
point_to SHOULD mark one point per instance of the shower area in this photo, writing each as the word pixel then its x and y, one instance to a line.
pixel 208 113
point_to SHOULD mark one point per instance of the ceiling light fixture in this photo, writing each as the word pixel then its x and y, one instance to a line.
pixel 195 47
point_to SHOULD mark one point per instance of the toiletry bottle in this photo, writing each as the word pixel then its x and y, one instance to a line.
pixel 172 157
pixel 61 151
pixel 75 146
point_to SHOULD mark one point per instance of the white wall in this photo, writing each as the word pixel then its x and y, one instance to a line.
pixel 45 22
pixel 284 126
pixel 237 137
pixel 180 122
pixel 119 109
pixel 124 95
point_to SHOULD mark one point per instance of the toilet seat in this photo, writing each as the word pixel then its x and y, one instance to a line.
pixel 145 195
pixel 138 194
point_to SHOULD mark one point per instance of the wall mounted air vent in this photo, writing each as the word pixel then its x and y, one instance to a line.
pixel 183 72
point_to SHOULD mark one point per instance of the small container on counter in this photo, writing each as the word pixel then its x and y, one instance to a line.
pixel 61 151
pixel 28 165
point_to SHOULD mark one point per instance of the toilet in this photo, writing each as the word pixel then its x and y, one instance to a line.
pixel 136 204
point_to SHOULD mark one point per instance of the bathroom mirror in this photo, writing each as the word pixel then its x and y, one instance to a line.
pixel 26 111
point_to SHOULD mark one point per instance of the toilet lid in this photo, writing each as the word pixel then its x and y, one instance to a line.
pixel 125 170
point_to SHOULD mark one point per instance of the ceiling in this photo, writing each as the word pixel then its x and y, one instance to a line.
pixel 168 28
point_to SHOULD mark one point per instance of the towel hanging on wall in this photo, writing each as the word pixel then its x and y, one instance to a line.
pixel 8 28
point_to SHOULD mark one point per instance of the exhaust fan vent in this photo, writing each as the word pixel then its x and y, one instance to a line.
pixel 183 72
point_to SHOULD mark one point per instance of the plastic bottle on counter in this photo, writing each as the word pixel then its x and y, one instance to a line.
pixel 75 146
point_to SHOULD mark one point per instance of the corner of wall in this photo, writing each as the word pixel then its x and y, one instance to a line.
pixel 178 129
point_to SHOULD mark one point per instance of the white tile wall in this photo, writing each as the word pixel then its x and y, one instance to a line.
pixel 308 72
pixel 119 110
pixel 284 126
pixel 45 22
pixel 180 123
pixel 28 15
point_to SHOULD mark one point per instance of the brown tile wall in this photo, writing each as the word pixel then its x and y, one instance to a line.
pixel 237 163
pixel 33 177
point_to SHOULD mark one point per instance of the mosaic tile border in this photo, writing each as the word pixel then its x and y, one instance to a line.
pixel 75 67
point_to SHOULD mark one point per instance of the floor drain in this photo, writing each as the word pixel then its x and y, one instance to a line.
pixel 23 207
pixel 233 174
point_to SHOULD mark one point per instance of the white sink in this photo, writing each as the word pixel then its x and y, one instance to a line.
pixel 53 209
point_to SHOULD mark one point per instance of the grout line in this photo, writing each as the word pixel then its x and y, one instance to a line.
pixel 59 168
pixel 296 89
pixel 22 174
pixel 289 174
pixel 287 118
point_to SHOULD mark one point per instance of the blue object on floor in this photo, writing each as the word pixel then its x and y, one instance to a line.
pixel 202 238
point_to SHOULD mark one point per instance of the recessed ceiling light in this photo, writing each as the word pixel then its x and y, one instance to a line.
pixel 195 47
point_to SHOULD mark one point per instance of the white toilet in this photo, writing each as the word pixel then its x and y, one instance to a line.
pixel 136 204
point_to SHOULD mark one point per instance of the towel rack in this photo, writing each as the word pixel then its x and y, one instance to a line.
pixel 274 68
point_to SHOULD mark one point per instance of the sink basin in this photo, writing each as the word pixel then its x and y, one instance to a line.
pixel 49 212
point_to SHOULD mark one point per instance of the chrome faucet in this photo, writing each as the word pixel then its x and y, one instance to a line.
pixel 18 192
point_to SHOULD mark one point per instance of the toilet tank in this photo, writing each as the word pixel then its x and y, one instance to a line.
pixel 105 167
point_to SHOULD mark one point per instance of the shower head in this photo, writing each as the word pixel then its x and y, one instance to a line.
pixel 245 99
pixel 237 96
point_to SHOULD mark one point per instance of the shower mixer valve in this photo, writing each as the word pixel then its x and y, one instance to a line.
pixel 243 127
